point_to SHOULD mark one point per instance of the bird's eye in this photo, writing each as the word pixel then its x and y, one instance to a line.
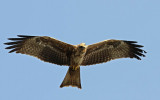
pixel 81 47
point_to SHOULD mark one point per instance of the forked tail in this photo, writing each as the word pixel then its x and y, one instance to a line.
pixel 72 78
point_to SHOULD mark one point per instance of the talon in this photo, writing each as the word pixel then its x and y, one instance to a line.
pixel 74 68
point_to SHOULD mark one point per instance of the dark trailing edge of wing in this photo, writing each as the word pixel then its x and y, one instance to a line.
pixel 17 42
pixel 136 52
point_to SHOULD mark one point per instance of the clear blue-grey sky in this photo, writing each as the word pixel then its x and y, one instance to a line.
pixel 24 77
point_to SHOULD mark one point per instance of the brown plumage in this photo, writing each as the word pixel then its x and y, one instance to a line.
pixel 57 52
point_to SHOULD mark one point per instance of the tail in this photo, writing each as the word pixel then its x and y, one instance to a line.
pixel 72 78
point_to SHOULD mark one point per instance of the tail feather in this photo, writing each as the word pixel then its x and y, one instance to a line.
pixel 72 78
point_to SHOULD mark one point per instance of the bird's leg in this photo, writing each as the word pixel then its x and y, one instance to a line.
pixel 75 67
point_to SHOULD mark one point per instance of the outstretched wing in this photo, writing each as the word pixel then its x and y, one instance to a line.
pixel 112 49
pixel 43 47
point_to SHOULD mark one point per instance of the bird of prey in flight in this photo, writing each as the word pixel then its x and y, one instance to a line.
pixel 57 52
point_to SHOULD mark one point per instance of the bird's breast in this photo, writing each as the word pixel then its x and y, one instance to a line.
pixel 76 59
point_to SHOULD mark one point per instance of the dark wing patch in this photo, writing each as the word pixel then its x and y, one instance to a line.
pixel 112 49
pixel 43 47
pixel 15 46
pixel 135 51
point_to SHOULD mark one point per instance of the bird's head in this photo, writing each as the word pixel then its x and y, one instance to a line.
pixel 82 47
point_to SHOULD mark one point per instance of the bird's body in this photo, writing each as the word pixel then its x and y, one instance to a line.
pixel 78 55
pixel 60 53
